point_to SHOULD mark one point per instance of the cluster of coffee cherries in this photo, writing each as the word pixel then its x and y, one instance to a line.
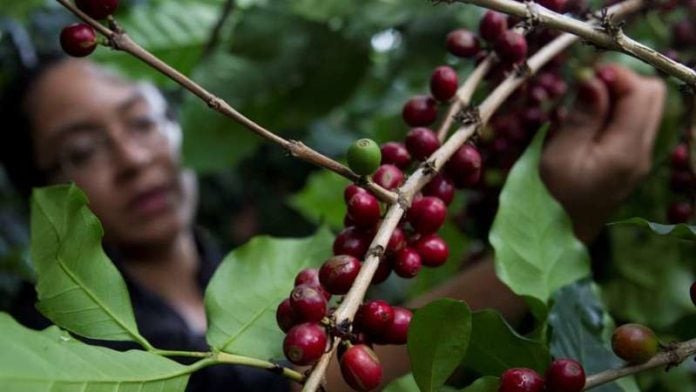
pixel 563 375
pixel 510 130
pixel 683 183
pixel 305 317
pixel 80 39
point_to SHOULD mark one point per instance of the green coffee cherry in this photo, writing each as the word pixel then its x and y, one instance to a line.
pixel 364 156
pixel 634 343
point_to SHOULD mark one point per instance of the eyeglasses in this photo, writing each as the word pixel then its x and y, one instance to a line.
pixel 89 148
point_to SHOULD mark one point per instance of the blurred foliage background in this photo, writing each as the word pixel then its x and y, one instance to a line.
pixel 327 72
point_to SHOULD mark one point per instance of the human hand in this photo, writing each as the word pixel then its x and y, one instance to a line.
pixel 604 149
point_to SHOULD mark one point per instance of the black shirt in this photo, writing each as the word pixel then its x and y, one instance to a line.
pixel 165 329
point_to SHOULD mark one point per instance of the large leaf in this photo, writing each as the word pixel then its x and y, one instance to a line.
pixel 52 360
pixel 681 231
pixel 536 252
pixel 245 291
pixel 78 287
pixel 653 277
pixel 403 384
pixel 496 347
pixel 438 338
pixel 579 326
pixel 483 384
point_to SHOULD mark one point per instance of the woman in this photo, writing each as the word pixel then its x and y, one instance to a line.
pixel 116 141
pixel 75 121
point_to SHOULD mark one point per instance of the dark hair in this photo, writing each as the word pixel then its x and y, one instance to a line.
pixel 16 144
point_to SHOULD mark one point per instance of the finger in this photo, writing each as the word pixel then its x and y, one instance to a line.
pixel 590 111
pixel 636 114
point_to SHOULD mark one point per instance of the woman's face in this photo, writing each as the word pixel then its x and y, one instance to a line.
pixel 111 138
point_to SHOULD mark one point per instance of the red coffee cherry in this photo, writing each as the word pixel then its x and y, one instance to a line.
pixel 693 293
pixel 420 111
pixel 680 156
pixel 521 380
pixel 285 315
pixel 683 34
pixel 441 187
pixel 682 181
pixel 565 375
pixel 363 209
pixel 492 26
pixel 511 47
pixel 352 241
pixel 78 40
pixel 304 343
pixel 97 9
pixel 432 249
pixel 463 43
pixel 554 85
pixel 427 215
pixel 338 273
pixel 308 303
pixel 351 190
pixel 607 74
pixel 310 277
pixel 360 368
pixel 396 241
pixel 537 94
pixel 444 83
pixel 356 338
pixel 553 5
pixel 407 263
pixel 464 167
pixel 421 143
pixel 388 177
pixel 382 273
pixel 396 154
pixel 634 343
pixel 679 212
pixel 397 331
pixel 374 317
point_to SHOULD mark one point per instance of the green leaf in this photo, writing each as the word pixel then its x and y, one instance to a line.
pixel 52 360
pixel 652 277
pixel 246 289
pixel 681 231
pixel 496 347
pixel 579 326
pixel 438 338
pixel 536 252
pixel 483 384
pixel 403 384
pixel 78 287
pixel 321 199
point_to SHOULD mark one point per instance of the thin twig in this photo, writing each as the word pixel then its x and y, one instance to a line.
pixel 673 356
pixel 121 41
pixel 464 94
pixel 225 13
pixel 610 36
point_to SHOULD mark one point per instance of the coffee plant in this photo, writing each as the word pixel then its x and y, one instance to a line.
pixel 475 136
